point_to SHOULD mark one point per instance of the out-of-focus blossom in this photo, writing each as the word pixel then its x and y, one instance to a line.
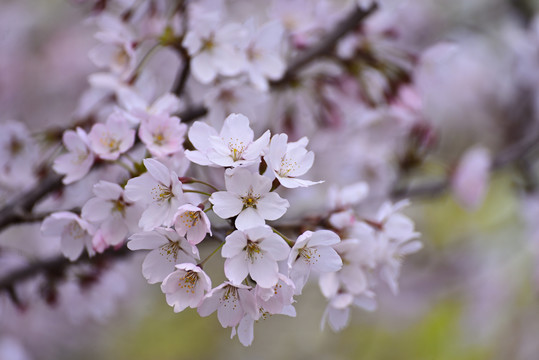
pixel 471 177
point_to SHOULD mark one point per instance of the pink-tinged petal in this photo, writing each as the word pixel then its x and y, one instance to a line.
pixel 277 150
pixel 196 233
pixel 211 301
pixel 71 246
pixel 107 190
pixel 257 147
pixel 249 218
pixel 97 209
pixel 324 238
pixel 399 227
pixel 153 216
pixel 198 157
pixel 199 133
pixel 158 171
pixel 114 230
pixel 147 240
pixel 303 161
pixel 73 142
pixel 410 248
pixel 328 260
pixel 166 104
pixel 203 68
pixel 329 284
pixel 271 66
pixel 338 318
pixel 139 188
pixel 271 206
pixel 239 181
pixel 246 331
pixel 264 271
pixel 248 301
pixel 236 130
pixel 354 279
pixel 261 185
pixel 292 183
pixel 236 269
pixel 220 159
pixel 230 312
pixel 299 274
pixel 157 265
pixel 234 244
pixel 226 204
pixel 276 247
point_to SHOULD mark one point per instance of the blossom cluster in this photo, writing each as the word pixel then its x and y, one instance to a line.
pixel 231 183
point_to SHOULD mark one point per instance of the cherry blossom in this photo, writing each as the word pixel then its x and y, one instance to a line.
pixel 234 146
pixel 313 251
pixel 193 223
pixel 470 179
pixel 159 190
pixel 264 61
pixel 73 233
pixel 254 252
pixel 186 286
pixel 139 109
pixel 110 140
pixel 167 250
pixel 215 50
pixel 162 135
pixel 116 217
pixel 79 159
pixel 232 303
pixel 248 196
pixel 288 160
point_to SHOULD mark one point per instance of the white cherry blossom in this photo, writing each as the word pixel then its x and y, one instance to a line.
pixel 116 216
pixel 159 190
pixel 167 250
pixel 254 252
pixel 193 223
pixel 113 138
pixel 287 161
pixel 79 159
pixel 139 109
pixel 232 303
pixel 248 196
pixel 73 233
pixel 264 61
pixel 234 146
pixel 215 50
pixel 313 251
pixel 186 286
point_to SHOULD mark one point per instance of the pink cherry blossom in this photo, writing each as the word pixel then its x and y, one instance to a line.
pixel 79 159
pixel 186 286
pixel 74 233
pixel 162 135
pixel 110 140
pixel 167 250
pixel 193 223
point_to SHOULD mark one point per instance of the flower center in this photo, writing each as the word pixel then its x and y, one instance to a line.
pixel 75 230
pixel 287 165
pixel 253 250
pixel 158 139
pixel 250 200
pixel 162 193
pixel 170 250
pixel 189 282
pixel 236 148
pixel 190 218
pixel 110 143
pixel 310 255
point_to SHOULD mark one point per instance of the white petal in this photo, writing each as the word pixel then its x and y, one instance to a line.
pixel 226 204
pixel 249 218
pixel 236 269
pixel 272 206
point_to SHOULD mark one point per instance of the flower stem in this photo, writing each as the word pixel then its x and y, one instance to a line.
pixel 204 183
pixel 288 241
pixel 209 256
pixel 196 191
